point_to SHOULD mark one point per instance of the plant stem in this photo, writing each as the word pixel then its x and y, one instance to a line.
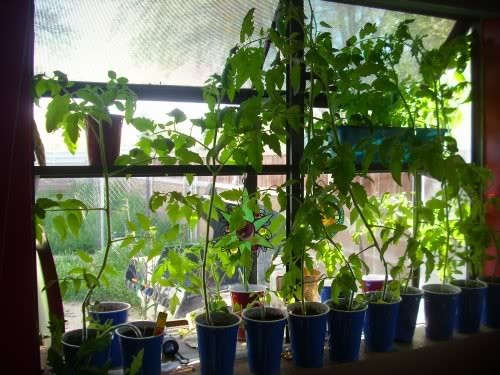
pixel 416 223
pixel 205 253
pixel 351 297
pixel 108 225
pixel 375 242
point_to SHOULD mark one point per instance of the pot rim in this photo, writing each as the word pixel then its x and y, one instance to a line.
pixel 419 291
pixel 284 312
pixel 482 284
pixel 217 327
pixel 344 311
pixel 127 307
pixel 307 316
pixel 252 288
pixel 73 331
pixel 148 324
pixel 453 290
pixel 484 279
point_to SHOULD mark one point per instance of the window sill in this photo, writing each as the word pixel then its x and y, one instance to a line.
pixel 462 354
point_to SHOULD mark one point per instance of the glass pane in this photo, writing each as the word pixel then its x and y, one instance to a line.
pixel 157 42
pixel 347 20
pixel 385 194
pixel 131 278
pixel 56 152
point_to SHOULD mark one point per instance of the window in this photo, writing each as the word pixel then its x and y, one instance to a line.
pixel 182 44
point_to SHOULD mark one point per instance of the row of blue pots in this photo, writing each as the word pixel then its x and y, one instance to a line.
pixel 124 346
pixel 458 306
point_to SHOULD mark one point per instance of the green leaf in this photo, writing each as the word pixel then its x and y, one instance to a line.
pixel 383 84
pixel 74 221
pixel 173 233
pixel 367 29
pixel 56 112
pixel 155 251
pixel 254 153
pixel 72 128
pixel 122 80
pixel 247 27
pixel 60 226
pixel 273 141
pixel 324 24
pixel 367 159
pixel 189 178
pixel 231 195
pixel 351 41
pixel 188 157
pixel 90 95
pixel 84 256
pixel 77 283
pixel 266 201
pixel 237 220
pixel 90 280
pixel 178 115
pixel 143 124
pixel 138 247
pixel 136 365
pixel 156 201
pixel 282 199
pixel 111 74
pixel 173 303
pixel 144 221
pixel 396 170
pixel 127 241
pixel 359 194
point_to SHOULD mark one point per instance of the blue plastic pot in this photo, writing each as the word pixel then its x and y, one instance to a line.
pixel 264 339
pixel 117 313
pixel 354 134
pixel 380 323
pixel 326 293
pixel 71 342
pixel 408 312
pixel 491 316
pixel 217 343
pixel 470 305
pixel 345 329
pixel 307 333
pixel 131 345
pixel 440 306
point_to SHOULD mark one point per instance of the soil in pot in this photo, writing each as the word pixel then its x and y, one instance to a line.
pixel 218 319
pixel 269 315
pixel 72 340
pixel 310 310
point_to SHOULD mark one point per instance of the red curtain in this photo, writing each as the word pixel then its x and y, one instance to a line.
pixel 19 313
pixel 491 111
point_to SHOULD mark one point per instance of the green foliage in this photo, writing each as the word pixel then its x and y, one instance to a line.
pixel 69 108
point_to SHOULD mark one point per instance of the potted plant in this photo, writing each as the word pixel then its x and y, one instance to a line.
pixel 439 158
pixel 264 328
pixel 70 115
pixel 379 116
pixel 492 304
pixel 256 220
pixel 347 315
pixel 84 347
pixel 476 234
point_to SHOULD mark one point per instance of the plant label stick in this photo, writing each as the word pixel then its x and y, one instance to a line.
pixel 160 323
